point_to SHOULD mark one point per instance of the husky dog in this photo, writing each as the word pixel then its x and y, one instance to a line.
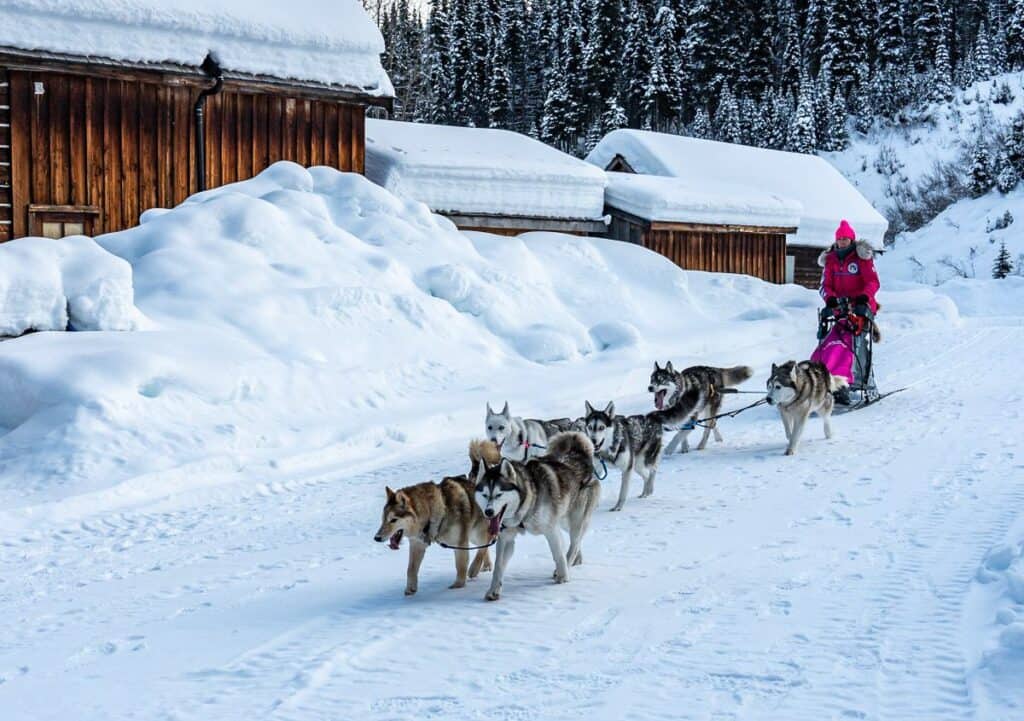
pixel 799 389
pixel 540 496
pixel 634 443
pixel 442 512
pixel 629 443
pixel 668 385
pixel 521 438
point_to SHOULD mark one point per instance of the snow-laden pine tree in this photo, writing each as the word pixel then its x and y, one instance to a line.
pixel 1003 265
pixel 664 94
pixel 1006 175
pixel 727 118
pixel 929 32
pixel 700 126
pixel 840 51
pixel 1014 35
pixel 981 179
pixel 942 75
pixel 637 61
pixel 802 130
pixel 436 104
pixel 602 55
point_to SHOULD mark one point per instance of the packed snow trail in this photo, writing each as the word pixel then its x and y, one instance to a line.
pixel 750 586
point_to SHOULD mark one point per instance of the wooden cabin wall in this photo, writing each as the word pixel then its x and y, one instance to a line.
pixel 6 199
pixel 806 270
pixel 762 255
pixel 120 146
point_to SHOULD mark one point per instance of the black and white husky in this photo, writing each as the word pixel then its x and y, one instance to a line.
pixel 634 443
pixel 669 385
pixel 521 438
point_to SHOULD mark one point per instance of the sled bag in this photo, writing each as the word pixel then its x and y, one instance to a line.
pixel 836 352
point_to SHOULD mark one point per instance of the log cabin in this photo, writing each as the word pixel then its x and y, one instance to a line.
pixel 111 107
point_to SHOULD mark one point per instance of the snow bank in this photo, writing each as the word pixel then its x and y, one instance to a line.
pixel 996 625
pixel 308 40
pixel 481 170
pixel 66 284
pixel 304 309
pixel 678 200
pixel 824 194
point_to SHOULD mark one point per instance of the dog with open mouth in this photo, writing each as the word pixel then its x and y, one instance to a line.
pixel 540 496
pixel 443 513
pixel 669 386
pixel 521 438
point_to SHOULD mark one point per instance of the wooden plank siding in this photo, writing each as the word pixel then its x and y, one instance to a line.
pixel 806 271
pixel 124 145
pixel 762 255
pixel 6 195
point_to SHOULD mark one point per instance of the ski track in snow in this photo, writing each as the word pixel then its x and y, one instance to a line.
pixel 750 586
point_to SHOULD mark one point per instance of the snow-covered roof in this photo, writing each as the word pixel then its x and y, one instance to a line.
pixel 322 41
pixel 481 171
pixel 679 200
pixel 826 197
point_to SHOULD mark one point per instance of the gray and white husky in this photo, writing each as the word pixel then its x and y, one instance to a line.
pixel 668 386
pixel 634 443
pixel 799 389
pixel 630 443
pixel 521 438
pixel 540 496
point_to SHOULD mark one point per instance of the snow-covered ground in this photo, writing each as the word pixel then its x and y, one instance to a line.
pixel 187 509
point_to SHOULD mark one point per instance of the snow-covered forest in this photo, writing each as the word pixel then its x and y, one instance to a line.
pixel 775 73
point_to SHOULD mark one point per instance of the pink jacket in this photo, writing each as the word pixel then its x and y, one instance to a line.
pixel 853 276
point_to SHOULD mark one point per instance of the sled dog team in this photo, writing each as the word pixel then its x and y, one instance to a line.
pixel 535 476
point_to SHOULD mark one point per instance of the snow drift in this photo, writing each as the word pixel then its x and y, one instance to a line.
pixel 66 284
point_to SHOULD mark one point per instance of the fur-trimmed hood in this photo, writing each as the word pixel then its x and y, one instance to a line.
pixel 864 251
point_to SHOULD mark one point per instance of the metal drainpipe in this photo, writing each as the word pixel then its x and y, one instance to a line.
pixel 212 69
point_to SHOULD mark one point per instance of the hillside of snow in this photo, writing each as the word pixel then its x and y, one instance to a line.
pixel 963 240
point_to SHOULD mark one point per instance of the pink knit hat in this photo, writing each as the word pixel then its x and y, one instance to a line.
pixel 845 231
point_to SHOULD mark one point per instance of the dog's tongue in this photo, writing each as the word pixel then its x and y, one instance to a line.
pixel 494 527
pixel 395 541
pixel 659 399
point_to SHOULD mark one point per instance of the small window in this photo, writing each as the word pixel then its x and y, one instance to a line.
pixel 60 221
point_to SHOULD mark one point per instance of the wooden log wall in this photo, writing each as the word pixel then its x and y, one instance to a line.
pixel 806 270
pixel 6 199
pixel 125 145
pixel 762 255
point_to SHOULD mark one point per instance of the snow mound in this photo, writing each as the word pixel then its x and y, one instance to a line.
pixel 308 308
pixel 65 284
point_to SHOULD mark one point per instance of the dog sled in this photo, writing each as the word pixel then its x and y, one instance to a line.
pixel 846 343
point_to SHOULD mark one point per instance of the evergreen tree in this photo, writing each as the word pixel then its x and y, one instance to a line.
pixel 981 178
pixel 1006 175
pixel 757 60
pixel 788 37
pixel 436 105
pixel 838 136
pixel 891 46
pixel 637 60
pixel 663 94
pixel 840 51
pixel 942 76
pixel 802 135
pixel 982 56
pixel 1003 266
pixel 727 120
pixel 701 125
pixel 929 32
pixel 1014 35
pixel 1013 143
pixel 602 54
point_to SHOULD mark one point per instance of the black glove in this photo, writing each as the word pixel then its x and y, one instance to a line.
pixel 860 300
pixel 831 302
